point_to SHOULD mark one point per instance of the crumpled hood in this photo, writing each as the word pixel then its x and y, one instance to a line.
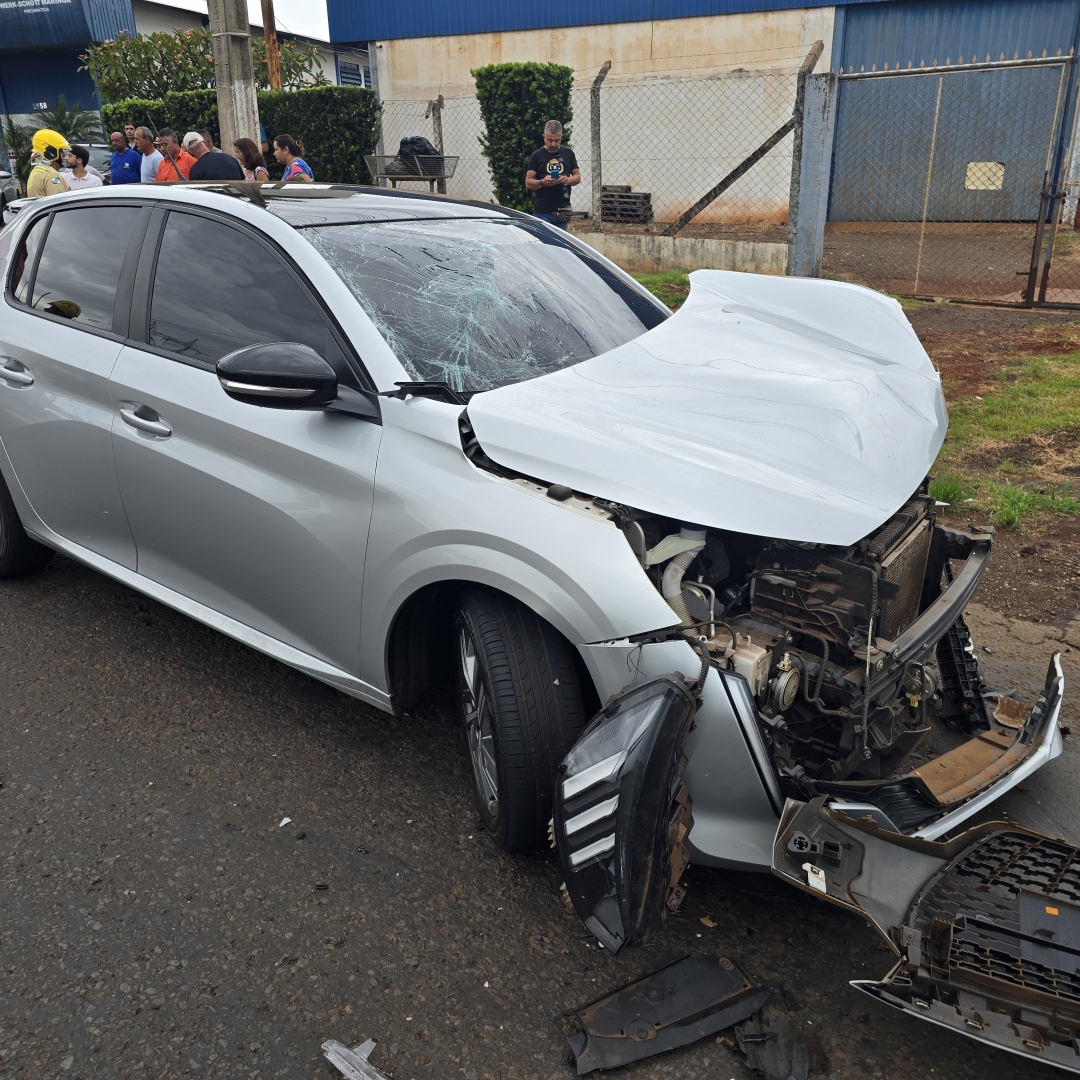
pixel 784 407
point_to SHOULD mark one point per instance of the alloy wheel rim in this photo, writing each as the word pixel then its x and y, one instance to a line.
pixel 479 724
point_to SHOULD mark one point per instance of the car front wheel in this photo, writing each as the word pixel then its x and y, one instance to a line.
pixel 18 553
pixel 523 709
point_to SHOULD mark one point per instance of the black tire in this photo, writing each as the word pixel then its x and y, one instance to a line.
pixel 18 553
pixel 531 712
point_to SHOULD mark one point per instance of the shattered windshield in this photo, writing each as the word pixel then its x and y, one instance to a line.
pixel 479 303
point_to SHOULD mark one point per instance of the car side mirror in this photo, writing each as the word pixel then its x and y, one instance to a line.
pixel 278 375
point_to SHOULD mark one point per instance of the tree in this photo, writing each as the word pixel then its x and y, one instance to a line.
pixel 76 124
pixel 148 66
pixel 516 100
pixel 17 139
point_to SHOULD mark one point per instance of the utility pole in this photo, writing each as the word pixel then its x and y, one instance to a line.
pixel 273 53
pixel 234 73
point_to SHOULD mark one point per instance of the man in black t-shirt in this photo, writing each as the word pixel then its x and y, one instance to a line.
pixel 553 171
pixel 208 165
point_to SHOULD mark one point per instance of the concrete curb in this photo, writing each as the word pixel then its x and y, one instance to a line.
pixel 645 254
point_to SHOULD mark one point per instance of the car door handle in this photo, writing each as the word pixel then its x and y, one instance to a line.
pixel 152 423
pixel 12 372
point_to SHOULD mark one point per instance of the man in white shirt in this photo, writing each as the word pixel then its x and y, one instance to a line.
pixel 144 143
pixel 77 174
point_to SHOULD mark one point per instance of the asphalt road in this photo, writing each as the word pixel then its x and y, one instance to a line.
pixel 155 920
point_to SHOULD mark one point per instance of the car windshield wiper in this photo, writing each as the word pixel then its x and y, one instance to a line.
pixel 439 390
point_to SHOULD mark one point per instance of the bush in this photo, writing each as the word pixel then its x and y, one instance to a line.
pixel 338 125
pixel 516 100
pixel 182 110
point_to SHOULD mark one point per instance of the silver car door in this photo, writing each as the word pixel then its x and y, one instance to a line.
pixel 261 514
pixel 65 318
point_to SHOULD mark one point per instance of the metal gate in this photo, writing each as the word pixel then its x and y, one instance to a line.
pixel 948 183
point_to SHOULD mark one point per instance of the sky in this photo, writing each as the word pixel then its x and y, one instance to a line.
pixel 305 17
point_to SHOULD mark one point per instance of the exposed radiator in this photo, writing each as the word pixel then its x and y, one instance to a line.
pixel 905 566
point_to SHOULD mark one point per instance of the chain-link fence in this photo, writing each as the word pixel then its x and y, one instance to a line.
pixel 938 179
pixel 665 142
pixel 947 182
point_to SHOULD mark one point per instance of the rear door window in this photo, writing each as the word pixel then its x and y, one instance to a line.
pixel 79 268
pixel 216 289
pixel 23 266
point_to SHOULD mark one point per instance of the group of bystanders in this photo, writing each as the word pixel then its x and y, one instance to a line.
pixel 139 156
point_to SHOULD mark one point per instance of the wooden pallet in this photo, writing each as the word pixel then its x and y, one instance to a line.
pixel 619 204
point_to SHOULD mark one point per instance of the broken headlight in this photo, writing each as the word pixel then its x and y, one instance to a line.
pixel 622 812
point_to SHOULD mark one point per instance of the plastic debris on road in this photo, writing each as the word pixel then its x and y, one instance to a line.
pixel 352 1063
pixel 677 1005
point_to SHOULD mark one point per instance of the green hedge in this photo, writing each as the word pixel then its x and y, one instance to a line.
pixel 337 125
pixel 516 100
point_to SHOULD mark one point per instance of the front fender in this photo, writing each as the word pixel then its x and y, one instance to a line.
pixel 439 518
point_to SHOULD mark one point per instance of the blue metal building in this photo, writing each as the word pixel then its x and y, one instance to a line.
pixel 375 20
pixel 40 46
pixel 866 31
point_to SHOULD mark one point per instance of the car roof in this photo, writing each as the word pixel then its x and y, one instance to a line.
pixel 303 206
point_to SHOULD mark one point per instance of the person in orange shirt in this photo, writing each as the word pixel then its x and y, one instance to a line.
pixel 176 163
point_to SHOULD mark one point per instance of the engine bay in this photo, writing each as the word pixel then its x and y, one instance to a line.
pixel 811 626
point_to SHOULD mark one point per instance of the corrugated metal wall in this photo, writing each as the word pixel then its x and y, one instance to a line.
pixel 108 17
pixel 378 20
pixel 926 32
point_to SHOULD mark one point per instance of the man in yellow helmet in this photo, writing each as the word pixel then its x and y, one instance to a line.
pixel 46 160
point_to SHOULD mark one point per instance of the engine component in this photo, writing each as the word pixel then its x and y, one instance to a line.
pixel 692 541
pixel 905 567
pixel 751 662
pixel 834 594
pixel 820 635
pixel 784 688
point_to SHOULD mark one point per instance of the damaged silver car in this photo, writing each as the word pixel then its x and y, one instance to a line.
pixel 395 441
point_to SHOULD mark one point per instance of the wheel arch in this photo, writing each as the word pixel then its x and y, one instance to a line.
pixel 420 647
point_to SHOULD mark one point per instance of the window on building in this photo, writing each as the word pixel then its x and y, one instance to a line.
pixel 351 74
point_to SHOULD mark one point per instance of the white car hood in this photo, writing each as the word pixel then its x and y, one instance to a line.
pixel 791 408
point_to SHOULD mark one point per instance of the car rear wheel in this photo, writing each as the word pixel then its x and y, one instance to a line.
pixel 18 553
pixel 522 708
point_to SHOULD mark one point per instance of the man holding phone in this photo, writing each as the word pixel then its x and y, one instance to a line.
pixel 552 172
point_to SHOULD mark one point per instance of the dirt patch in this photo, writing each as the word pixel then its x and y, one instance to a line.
pixel 1033 457
pixel 1034 574
pixel 971 358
